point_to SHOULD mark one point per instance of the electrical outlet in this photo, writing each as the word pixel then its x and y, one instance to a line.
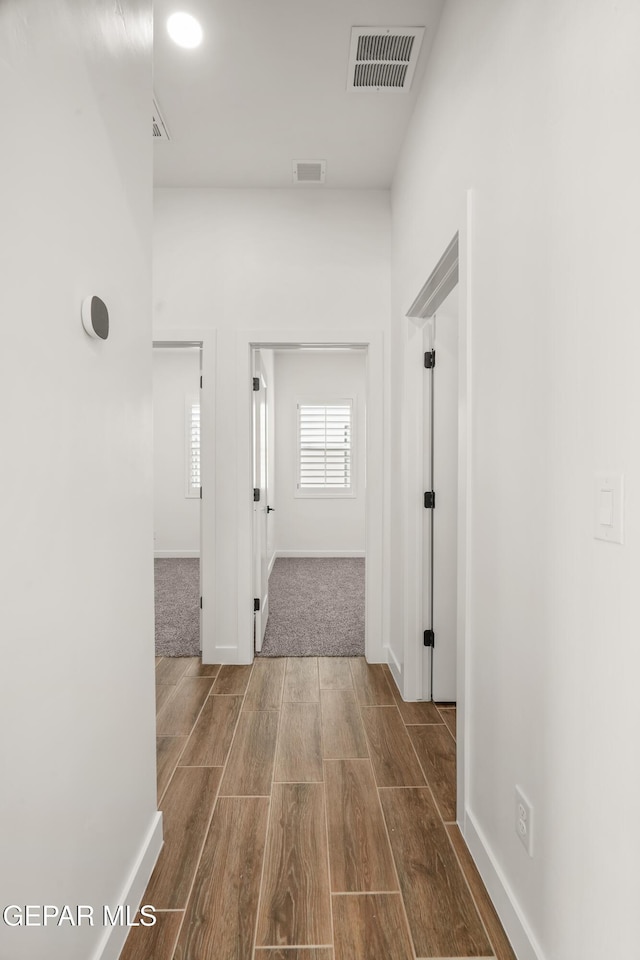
pixel 524 821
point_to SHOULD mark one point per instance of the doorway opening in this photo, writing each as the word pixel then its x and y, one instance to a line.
pixel 309 450
pixel 177 498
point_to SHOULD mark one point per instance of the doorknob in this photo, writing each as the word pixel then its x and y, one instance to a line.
pixel 271 509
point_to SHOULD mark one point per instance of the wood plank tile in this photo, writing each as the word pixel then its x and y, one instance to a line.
pixel 164 692
pixel 198 669
pixel 301 680
pixel 394 761
pixel 501 946
pixel 436 751
pixel 178 715
pixel 422 711
pixel 370 927
pixel 299 754
pixel 297 953
pixel 168 750
pixel 156 942
pixel 171 669
pixel 221 916
pixel 342 730
pixel 186 809
pixel 370 683
pixel 295 908
pixel 359 853
pixel 250 765
pixel 265 686
pixel 449 715
pixel 158 659
pixel 335 673
pixel 232 679
pixel 443 919
pixel 209 743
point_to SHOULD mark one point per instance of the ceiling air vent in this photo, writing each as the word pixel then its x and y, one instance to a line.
pixel 160 129
pixel 309 171
pixel 383 58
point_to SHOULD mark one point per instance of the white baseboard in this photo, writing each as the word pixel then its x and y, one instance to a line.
pixel 110 947
pixel 511 916
pixel 169 554
pixel 320 553
pixel 394 666
pixel 271 562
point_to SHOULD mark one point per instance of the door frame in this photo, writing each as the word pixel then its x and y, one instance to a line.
pixel 206 340
pixel 415 430
pixel 372 341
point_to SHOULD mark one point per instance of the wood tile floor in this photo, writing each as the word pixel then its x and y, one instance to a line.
pixel 308 815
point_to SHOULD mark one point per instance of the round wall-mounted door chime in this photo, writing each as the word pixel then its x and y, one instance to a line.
pixel 95 317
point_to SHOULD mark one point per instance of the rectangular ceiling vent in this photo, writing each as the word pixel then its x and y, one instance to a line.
pixel 309 171
pixel 160 129
pixel 383 58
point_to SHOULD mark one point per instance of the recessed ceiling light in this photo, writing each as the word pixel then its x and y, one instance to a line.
pixel 184 30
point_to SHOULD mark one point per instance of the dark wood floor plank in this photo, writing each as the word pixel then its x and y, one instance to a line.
pixel 232 679
pixel 265 686
pixel 168 750
pixel 335 673
pixel 172 669
pixel 501 946
pixel 342 730
pixel 156 942
pixel 449 715
pixel 370 927
pixel 178 715
pixel 442 916
pixel 186 809
pixel 299 753
pixel 359 853
pixel 301 680
pixel 249 769
pixel 370 683
pixel 209 743
pixel 436 751
pixel 297 953
pixel 295 908
pixel 394 761
pixel 198 669
pixel 220 919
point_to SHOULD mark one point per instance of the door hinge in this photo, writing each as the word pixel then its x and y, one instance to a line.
pixel 256 383
pixel 429 499
pixel 429 638
pixel 256 604
pixel 430 359
pixel 201 493
pixel 201 603
pixel 256 494
pixel 201 383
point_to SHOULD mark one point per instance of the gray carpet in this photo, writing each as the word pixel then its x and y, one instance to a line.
pixel 316 608
pixel 177 603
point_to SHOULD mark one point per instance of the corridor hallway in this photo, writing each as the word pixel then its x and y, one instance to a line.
pixel 306 806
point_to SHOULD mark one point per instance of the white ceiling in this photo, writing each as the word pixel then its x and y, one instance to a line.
pixel 268 85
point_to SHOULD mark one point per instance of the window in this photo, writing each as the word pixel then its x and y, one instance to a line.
pixel 192 447
pixel 325 449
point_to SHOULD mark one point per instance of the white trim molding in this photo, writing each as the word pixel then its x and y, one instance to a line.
pixel 319 554
pixel 507 907
pixel 179 554
pixel 112 942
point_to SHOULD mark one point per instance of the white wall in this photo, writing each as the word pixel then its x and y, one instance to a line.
pixel 77 736
pixel 263 260
pixel 176 517
pixel 528 104
pixel 325 526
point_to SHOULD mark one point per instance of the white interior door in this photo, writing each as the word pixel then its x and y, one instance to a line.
pixel 260 563
pixel 441 522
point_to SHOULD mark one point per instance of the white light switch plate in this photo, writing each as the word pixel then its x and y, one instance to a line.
pixel 608 507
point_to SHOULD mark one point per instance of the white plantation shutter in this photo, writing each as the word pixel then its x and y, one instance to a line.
pixel 325 447
pixel 192 433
